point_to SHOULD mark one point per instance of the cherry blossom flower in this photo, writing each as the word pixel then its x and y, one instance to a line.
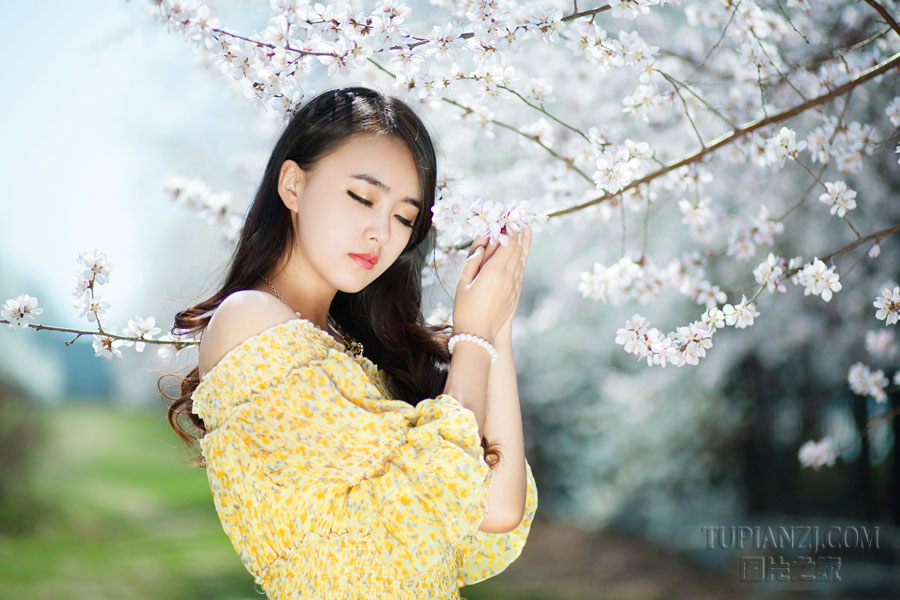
pixel 818 454
pixel 91 307
pixel 697 217
pixel 631 9
pixel 839 197
pixel 741 315
pixel 694 340
pixel 97 266
pixel 882 343
pixel 765 228
pixel 783 145
pixel 83 285
pixel 141 328
pixel 20 311
pixel 768 273
pixel 893 111
pixel 107 347
pixel 713 318
pixel 888 305
pixel 865 382
pixel 819 280
pixel 547 24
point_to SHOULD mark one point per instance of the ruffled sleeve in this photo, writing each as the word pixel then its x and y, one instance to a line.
pixel 301 443
pixel 482 555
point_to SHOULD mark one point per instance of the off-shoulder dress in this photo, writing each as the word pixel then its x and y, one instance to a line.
pixel 330 490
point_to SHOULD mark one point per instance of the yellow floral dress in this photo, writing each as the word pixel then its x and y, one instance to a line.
pixel 330 490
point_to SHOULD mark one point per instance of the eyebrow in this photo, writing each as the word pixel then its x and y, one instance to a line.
pixel 385 188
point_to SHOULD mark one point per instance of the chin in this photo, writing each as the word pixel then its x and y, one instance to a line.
pixel 352 285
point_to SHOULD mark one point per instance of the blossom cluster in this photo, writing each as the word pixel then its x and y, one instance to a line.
pixel 93 271
pixel 818 454
pixel 865 382
pixel 642 280
pixel 271 66
pixel 465 60
pixel 195 195
pixel 20 311
pixel 469 218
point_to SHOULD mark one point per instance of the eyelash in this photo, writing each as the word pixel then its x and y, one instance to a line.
pixel 367 203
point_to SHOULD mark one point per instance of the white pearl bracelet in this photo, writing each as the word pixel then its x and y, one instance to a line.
pixel 468 337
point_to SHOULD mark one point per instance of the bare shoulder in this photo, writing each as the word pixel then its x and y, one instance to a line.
pixel 241 315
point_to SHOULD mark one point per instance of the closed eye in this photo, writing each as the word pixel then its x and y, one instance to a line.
pixel 362 200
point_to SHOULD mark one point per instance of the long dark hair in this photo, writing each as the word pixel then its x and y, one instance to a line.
pixel 412 353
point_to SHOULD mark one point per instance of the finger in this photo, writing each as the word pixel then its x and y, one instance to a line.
pixel 478 241
pixel 490 249
pixel 472 265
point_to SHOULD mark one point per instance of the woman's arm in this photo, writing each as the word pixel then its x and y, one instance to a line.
pixel 503 424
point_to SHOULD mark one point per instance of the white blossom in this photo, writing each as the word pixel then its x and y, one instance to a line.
pixel 106 346
pixel 630 9
pixel 819 280
pixel 97 266
pixel 865 382
pixel 91 307
pixel 888 305
pixel 818 454
pixel 783 145
pixel 882 343
pixel 140 327
pixel 20 311
pixel 741 315
pixel 839 197
pixel 893 111
pixel 768 274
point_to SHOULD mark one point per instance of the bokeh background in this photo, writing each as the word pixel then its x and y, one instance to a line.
pixel 101 104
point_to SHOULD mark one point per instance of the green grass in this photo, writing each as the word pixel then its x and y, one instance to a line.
pixel 119 515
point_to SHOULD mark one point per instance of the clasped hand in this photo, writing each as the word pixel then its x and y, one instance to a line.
pixel 490 286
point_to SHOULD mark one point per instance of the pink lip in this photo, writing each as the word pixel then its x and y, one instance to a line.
pixel 362 261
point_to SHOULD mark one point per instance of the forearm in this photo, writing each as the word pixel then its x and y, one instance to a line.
pixel 503 424
pixel 467 380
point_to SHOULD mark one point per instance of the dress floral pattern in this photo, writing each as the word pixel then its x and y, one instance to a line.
pixel 330 490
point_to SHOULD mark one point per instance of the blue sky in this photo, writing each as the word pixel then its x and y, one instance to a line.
pixel 99 106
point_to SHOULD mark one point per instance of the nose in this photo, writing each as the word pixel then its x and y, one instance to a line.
pixel 380 230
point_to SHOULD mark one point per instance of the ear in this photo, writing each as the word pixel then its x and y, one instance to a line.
pixel 291 180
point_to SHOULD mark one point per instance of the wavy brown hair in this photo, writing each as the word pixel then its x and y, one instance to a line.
pixel 386 316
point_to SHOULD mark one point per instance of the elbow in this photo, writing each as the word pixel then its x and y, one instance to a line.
pixel 503 522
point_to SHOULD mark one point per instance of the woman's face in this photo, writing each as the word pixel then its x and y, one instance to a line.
pixel 356 200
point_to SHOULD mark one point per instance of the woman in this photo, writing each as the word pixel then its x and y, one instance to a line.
pixel 339 431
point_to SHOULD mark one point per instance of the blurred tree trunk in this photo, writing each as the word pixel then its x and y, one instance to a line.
pixel 863 467
pixel 894 486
